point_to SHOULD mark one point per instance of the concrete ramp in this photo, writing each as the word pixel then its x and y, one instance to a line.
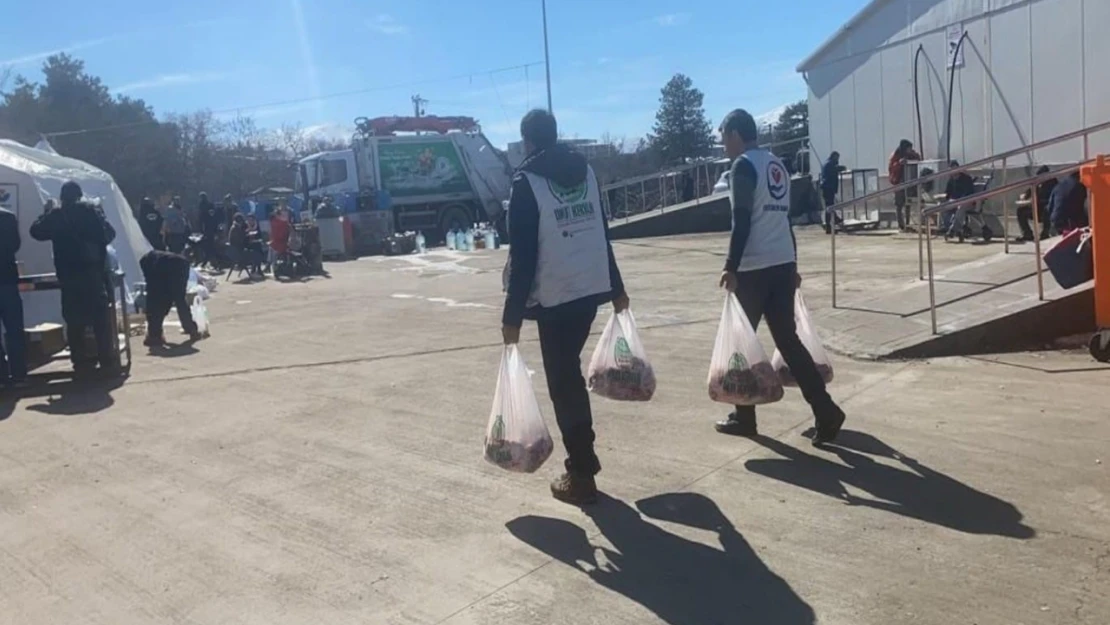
pixel 708 214
pixel 986 306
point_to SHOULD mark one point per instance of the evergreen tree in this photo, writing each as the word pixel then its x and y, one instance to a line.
pixel 681 130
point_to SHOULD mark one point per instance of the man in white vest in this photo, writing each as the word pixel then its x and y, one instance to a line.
pixel 762 271
pixel 561 268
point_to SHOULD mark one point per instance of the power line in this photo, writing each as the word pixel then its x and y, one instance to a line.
pixel 329 96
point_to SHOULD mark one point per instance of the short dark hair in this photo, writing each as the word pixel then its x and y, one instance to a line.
pixel 539 128
pixel 742 123
pixel 71 192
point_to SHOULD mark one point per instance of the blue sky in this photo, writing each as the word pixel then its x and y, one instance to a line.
pixel 609 58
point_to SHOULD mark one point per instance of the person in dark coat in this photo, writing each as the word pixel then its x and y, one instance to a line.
pixel 830 185
pixel 960 185
pixel 150 222
pixel 1068 205
pixel 167 277
pixel 80 235
pixel 212 224
pixel 230 210
pixel 14 362
pixel 1025 213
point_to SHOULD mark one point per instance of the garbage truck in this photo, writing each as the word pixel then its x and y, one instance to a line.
pixel 429 174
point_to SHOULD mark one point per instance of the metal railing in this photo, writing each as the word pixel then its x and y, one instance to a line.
pixel 1030 183
pixel 652 192
pixel 918 183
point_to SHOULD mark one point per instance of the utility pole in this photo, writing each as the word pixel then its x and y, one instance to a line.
pixel 418 105
pixel 546 55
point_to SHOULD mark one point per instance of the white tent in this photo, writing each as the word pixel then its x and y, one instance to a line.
pixel 28 178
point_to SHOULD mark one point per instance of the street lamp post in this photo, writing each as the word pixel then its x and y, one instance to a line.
pixel 546 56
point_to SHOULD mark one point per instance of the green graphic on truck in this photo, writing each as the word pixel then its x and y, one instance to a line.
pixel 411 169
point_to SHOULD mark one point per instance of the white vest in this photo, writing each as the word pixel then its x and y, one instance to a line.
pixel 770 242
pixel 573 256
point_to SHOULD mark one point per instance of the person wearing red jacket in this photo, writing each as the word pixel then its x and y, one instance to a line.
pixel 896 169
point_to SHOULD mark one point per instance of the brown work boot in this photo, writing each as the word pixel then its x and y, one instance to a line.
pixel 577 490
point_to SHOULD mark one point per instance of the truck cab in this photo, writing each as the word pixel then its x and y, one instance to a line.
pixel 329 174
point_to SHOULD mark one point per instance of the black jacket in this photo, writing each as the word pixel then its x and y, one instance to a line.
pixel 9 245
pixel 212 217
pixel 166 275
pixel 830 176
pixel 80 235
pixel 567 168
pixel 959 185
pixel 150 221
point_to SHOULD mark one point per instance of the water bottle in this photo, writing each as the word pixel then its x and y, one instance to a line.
pixel 470 240
pixel 496 239
pixel 489 239
pixel 460 240
pixel 420 243
pixel 451 239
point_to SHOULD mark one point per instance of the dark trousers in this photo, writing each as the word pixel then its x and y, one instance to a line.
pixel 562 337
pixel 85 305
pixel 829 195
pixel 176 242
pixel 1025 219
pixel 14 361
pixel 903 209
pixel 769 293
pixel 165 293
pixel 155 239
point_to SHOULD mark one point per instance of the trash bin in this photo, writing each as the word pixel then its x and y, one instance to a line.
pixel 332 239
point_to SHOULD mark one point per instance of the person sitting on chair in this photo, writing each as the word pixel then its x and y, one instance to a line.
pixel 1025 213
pixel 960 185
pixel 1069 205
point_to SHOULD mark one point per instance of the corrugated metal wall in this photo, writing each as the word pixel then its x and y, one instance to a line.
pixel 1032 70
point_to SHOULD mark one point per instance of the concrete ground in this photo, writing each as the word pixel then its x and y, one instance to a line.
pixel 319 461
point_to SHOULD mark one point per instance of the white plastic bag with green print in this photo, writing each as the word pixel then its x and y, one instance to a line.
pixel 516 437
pixel 619 368
pixel 739 372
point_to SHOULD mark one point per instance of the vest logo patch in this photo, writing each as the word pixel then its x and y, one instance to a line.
pixel 777 180
pixel 568 195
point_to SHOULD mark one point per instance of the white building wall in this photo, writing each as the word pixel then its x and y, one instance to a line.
pixel 1032 70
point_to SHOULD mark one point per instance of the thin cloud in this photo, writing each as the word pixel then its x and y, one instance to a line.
pixel 672 19
pixel 386 25
pixel 172 80
pixel 40 56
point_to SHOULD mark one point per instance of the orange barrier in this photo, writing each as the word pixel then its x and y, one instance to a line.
pixel 1096 177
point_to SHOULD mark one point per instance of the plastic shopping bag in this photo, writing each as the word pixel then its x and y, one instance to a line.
pixel 808 335
pixel 619 368
pixel 516 437
pixel 200 316
pixel 739 372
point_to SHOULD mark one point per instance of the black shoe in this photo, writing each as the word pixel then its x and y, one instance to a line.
pixel 829 422
pixel 577 490
pixel 737 426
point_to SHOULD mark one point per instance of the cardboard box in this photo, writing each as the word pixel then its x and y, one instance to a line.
pixel 43 342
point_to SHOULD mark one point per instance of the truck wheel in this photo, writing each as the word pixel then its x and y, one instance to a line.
pixel 454 217
pixel 1099 345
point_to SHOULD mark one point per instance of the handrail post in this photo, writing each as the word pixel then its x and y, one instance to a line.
pixel 932 290
pixel 831 220
pixel 1037 245
pixel 1086 146
pixel 625 202
pixel 920 230
pixel 1005 214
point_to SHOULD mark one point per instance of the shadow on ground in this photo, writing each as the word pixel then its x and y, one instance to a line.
pixel 682 581
pixel 917 492
pixel 69 398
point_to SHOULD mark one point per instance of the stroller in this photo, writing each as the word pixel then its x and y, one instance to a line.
pixel 975 219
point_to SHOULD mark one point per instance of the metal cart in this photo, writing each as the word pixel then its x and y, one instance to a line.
pixel 120 320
